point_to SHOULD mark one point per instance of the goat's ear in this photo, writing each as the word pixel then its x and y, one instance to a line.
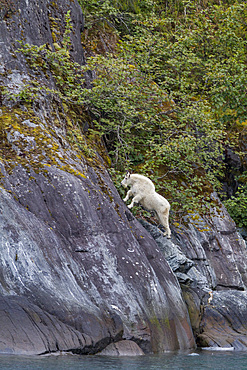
pixel 127 174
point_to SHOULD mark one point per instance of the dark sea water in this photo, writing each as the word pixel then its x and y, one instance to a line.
pixel 196 360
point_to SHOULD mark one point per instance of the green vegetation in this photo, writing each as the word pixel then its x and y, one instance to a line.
pixel 237 204
pixel 168 93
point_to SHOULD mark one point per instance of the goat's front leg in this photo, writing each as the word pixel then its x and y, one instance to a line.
pixel 136 199
pixel 128 195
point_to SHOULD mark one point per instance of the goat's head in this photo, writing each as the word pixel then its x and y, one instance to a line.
pixel 125 181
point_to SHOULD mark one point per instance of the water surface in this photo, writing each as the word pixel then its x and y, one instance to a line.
pixel 216 360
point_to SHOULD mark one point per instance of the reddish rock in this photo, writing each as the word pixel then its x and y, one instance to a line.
pixel 122 348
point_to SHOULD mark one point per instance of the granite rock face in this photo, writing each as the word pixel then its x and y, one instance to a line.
pixel 27 329
pixel 74 256
pixel 77 270
pixel 209 258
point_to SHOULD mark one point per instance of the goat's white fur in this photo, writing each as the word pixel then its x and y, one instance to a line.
pixel 143 191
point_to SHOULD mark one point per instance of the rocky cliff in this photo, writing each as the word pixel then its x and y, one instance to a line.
pixel 77 270
pixel 209 258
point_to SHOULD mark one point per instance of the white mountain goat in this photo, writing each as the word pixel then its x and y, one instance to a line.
pixel 143 191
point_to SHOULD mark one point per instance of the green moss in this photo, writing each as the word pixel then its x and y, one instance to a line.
pixel 72 171
pixel 27 142
pixel 54 37
pixel 161 323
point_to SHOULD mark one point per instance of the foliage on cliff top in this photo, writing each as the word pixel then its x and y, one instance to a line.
pixel 170 94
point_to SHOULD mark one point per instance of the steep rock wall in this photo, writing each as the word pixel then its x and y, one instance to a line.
pixel 75 267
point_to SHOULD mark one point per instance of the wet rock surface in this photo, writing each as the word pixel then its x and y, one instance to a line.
pixel 27 329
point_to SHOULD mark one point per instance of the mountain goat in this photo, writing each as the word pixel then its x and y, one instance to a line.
pixel 143 191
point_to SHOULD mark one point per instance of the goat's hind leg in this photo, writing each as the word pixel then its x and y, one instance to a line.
pixel 164 220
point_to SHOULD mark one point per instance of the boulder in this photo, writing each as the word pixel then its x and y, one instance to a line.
pixel 122 348
pixel 224 321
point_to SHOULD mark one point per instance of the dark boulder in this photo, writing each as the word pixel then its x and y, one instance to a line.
pixel 224 321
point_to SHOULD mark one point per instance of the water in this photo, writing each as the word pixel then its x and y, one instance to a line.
pixel 179 361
